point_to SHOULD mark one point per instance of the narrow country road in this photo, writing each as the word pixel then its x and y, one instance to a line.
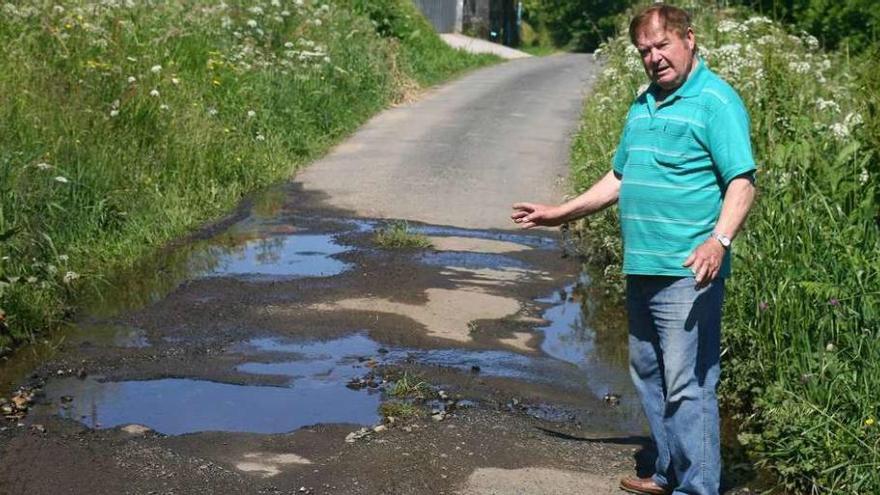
pixel 466 151
pixel 286 350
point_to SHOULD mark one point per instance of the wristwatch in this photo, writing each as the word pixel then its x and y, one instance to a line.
pixel 723 239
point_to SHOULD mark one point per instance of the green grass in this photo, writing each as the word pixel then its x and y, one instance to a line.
pixel 123 127
pixel 802 314
pixel 396 235
pixel 400 410
pixel 410 386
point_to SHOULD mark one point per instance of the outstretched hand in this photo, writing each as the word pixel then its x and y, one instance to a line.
pixel 529 215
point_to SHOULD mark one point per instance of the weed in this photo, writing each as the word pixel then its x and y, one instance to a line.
pixel 410 386
pixel 397 235
pixel 398 409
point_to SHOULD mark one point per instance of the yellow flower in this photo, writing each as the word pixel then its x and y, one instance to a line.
pixel 869 422
pixel 215 82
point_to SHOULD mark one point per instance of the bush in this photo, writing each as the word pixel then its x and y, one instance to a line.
pixel 579 25
pixel 802 317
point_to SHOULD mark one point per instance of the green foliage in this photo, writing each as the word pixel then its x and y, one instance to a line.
pixel 397 235
pixel 851 23
pixel 410 386
pixel 398 409
pixel 802 316
pixel 579 25
pixel 123 125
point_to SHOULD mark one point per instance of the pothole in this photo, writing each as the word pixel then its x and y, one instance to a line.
pixel 298 255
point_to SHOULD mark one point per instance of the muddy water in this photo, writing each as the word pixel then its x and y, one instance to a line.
pixel 260 326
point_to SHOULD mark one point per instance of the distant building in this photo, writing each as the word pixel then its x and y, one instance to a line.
pixel 496 20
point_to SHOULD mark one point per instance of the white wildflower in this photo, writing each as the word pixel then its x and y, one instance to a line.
pixel 863 177
pixel 63 257
pixel 43 166
pixel 823 104
pixel 256 10
pixel 175 81
pixel 131 59
pixel 70 277
pixel 251 23
pixel 758 20
pixel 32 280
pixel 156 69
pixel 811 42
pixel 58 9
pixel 285 13
pixel 727 26
pixel 853 119
pixel 839 130
pixel 62 179
pixel 114 113
pixel 298 3
pixel 767 39
pixel 325 7
pixel 317 22
pixel 326 60
pixel 212 111
pixel 799 67
pixel 260 137
pixel 154 93
pixel 251 114
pixel 275 3
pixel 288 45
pixel 163 107
pixel 131 79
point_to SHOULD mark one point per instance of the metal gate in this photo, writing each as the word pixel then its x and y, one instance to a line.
pixel 442 13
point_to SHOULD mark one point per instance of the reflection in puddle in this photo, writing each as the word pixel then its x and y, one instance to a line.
pixel 109 335
pixel 469 260
pixel 175 406
pixel 315 358
pixel 536 241
pixel 300 255
pixel 569 338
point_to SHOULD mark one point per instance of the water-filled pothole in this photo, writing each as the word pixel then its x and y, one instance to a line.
pixel 569 338
pixel 298 255
pixel 176 405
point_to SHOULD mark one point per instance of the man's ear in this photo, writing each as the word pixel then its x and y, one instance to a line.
pixel 691 39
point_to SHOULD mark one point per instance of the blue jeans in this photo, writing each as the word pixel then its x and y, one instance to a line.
pixel 674 354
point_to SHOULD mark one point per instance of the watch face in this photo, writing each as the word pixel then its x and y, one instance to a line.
pixel 723 239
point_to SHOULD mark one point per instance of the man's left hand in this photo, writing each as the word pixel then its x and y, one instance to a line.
pixel 705 261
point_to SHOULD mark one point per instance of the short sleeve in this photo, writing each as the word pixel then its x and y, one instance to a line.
pixel 729 141
pixel 619 161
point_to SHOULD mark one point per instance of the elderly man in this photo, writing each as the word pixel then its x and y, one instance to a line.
pixel 683 177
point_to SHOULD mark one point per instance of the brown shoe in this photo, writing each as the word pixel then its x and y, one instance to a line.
pixel 643 486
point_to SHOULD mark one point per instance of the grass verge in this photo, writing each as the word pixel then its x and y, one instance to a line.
pixel 123 125
pixel 802 316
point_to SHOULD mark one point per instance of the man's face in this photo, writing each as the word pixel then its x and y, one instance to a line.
pixel 667 57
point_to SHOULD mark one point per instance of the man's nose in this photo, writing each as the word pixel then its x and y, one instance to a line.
pixel 655 56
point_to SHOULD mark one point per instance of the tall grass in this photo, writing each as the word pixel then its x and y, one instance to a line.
pixel 123 124
pixel 802 317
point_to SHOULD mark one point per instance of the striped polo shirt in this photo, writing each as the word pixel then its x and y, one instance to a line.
pixel 675 160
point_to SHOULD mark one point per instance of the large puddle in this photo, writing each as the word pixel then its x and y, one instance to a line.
pixel 284 256
pixel 175 405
